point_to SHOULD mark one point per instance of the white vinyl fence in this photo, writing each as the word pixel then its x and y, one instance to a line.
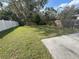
pixel 4 24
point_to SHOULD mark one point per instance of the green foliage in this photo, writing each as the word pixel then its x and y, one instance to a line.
pixel 25 7
pixel 32 20
pixel 27 12
pixel 7 15
pixel 77 10
pixel 24 11
pixel 49 15
pixel 37 20
pixel 3 15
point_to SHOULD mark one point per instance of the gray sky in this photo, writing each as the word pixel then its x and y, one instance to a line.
pixel 4 0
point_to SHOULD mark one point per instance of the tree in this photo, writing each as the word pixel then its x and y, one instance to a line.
pixel 51 12
pixel 49 15
pixel 67 13
pixel 7 15
pixel 25 7
pixel 77 10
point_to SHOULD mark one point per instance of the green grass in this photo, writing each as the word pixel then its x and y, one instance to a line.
pixel 22 43
pixel 25 42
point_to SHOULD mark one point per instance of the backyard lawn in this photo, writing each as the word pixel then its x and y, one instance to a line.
pixel 22 43
pixel 25 42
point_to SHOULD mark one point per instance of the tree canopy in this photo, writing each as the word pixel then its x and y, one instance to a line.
pixel 68 12
pixel 24 8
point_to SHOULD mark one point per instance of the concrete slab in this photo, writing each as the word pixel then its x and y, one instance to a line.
pixel 63 47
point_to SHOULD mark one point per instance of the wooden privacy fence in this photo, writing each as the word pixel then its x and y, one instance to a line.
pixel 4 24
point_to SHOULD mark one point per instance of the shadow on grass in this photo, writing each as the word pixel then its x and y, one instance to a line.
pixel 5 32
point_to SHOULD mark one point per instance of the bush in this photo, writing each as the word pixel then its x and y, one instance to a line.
pixel 38 20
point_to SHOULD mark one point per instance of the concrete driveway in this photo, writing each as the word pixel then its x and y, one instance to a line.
pixel 63 47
